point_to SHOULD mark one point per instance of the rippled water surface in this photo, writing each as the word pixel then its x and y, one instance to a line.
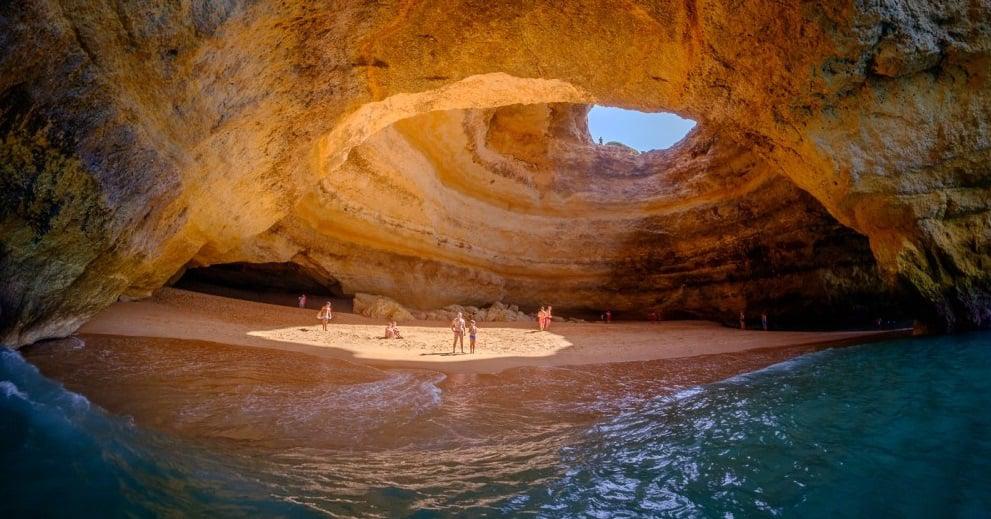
pixel 143 426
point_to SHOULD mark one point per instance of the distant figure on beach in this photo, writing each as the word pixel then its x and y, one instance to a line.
pixel 608 316
pixel 743 321
pixel 325 314
pixel 458 327
pixel 392 331
pixel 472 331
pixel 541 315
pixel 302 301
pixel 548 317
pixel 763 320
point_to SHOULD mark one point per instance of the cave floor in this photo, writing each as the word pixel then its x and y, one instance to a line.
pixel 180 314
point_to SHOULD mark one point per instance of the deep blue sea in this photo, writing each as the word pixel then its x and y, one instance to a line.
pixel 893 429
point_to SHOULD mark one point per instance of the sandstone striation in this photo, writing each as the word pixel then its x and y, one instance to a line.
pixel 380 307
pixel 435 153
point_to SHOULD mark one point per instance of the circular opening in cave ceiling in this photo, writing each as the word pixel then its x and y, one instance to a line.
pixel 642 131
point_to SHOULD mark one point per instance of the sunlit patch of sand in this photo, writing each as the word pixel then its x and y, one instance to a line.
pixel 180 314
pixel 434 343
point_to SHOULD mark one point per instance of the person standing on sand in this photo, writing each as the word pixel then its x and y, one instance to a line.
pixel 458 327
pixel 541 314
pixel 743 321
pixel 472 330
pixel 302 301
pixel 548 317
pixel 326 314
pixel 763 320
pixel 608 316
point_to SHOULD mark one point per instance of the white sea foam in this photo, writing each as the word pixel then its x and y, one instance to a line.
pixel 688 392
pixel 9 389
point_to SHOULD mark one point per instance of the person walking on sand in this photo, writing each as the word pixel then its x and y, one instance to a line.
pixel 325 314
pixel 302 300
pixel 548 317
pixel 743 321
pixel 458 327
pixel 541 314
pixel 763 320
pixel 472 331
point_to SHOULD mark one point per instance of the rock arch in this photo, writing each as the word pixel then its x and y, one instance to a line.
pixel 142 137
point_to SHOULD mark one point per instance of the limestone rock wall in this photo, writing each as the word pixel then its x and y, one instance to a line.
pixel 137 136
pixel 516 204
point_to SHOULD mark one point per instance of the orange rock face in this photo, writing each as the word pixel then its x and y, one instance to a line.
pixel 435 152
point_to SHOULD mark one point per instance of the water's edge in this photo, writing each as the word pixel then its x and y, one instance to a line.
pixel 850 431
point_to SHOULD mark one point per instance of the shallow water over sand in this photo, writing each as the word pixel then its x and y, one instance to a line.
pixel 248 430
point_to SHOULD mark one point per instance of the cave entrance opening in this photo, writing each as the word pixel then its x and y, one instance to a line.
pixel 641 131
pixel 273 283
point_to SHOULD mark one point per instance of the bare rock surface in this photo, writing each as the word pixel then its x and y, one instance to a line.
pixel 380 307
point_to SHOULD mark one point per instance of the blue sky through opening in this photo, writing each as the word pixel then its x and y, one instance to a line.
pixel 639 130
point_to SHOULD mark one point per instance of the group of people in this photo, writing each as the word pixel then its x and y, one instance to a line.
pixel 325 314
pixel 743 320
pixel 459 326
pixel 392 330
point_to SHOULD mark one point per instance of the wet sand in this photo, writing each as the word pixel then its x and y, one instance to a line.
pixel 179 314
pixel 279 399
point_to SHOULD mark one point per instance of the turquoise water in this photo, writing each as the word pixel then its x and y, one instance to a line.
pixel 897 429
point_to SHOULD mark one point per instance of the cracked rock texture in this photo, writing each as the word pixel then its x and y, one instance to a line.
pixel 435 152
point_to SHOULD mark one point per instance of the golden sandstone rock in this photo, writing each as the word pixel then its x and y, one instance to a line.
pixel 435 152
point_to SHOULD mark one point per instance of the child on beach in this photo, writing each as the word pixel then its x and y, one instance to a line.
pixel 472 330
pixel 458 327
pixel 326 314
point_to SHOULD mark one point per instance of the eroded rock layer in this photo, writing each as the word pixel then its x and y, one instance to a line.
pixel 404 146
pixel 517 204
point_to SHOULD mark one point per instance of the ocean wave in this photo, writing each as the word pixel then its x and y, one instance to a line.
pixel 9 389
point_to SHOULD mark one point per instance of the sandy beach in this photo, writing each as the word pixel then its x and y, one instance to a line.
pixel 180 314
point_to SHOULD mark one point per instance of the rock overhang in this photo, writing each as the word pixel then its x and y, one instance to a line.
pixel 203 129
